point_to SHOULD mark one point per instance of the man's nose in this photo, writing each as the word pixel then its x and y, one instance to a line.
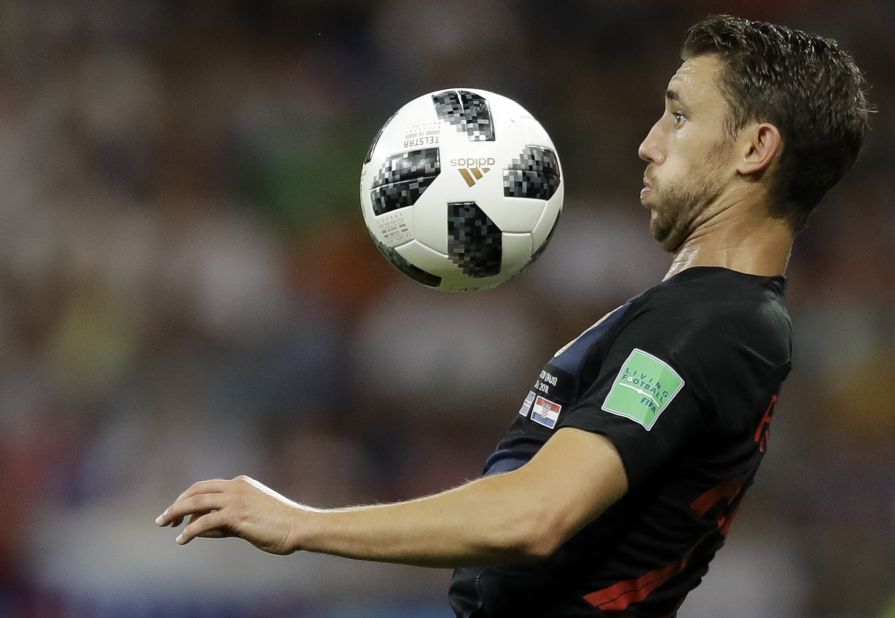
pixel 649 149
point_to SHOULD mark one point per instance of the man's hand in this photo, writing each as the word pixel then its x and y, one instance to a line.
pixel 240 507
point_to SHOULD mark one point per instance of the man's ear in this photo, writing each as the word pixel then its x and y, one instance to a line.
pixel 761 143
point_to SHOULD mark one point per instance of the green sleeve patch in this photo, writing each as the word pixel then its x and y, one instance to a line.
pixel 643 388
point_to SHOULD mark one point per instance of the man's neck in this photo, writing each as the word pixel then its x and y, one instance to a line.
pixel 738 240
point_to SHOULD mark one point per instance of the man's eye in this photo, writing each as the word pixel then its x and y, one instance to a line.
pixel 678 118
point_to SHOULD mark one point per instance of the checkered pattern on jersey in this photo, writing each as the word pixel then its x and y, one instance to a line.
pixel 474 241
pixel 403 178
pixel 534 174
pixel 466 111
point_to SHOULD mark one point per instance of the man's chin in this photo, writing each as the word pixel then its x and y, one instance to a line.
pixel 664 234
pixel 658 232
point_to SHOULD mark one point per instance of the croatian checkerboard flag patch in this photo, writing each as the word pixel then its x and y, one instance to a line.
pixel 545 412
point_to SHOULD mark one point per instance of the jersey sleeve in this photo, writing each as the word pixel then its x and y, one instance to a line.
pixel 648 394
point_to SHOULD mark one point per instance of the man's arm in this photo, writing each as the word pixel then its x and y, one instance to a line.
pixel 521 515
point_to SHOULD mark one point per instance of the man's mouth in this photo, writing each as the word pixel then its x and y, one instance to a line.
pixel 647 188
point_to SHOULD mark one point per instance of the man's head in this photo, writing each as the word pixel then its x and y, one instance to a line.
pixel 779 109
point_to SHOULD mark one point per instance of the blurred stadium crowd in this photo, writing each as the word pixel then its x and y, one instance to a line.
pixel 187 291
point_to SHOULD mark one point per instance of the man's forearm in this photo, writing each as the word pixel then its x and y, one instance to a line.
pixel 488 521
pixel 521 515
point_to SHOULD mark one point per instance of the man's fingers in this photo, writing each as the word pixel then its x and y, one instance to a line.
pixel 193 505
pixel 213 486
pixel 212 524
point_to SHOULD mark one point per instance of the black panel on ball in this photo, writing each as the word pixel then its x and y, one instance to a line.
pixel 534 174
pixel 414 272
pixel 403 178
pixel 475 243
pixel 467 111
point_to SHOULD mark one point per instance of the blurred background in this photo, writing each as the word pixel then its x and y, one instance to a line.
pixel 187 291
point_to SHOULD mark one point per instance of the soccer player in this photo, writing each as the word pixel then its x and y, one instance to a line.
pixel 620 476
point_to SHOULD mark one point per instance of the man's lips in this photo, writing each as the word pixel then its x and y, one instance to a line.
pixel 647 188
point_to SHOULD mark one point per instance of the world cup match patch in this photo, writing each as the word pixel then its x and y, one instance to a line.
pixel 643 388
pixel 545 412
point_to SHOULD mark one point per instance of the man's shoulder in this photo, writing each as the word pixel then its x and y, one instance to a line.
pixel 717 294
pixel 711 306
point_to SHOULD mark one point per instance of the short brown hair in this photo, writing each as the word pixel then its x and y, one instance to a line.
pixel 803 84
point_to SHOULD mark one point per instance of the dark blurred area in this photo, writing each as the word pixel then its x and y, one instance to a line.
pixel 187 291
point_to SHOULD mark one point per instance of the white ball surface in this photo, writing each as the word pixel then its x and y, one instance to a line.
pixel 461 189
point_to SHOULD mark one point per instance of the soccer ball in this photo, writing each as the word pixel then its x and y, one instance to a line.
pixel 461 189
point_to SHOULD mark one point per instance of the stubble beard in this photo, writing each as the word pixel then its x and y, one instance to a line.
pixel 675 217
pixel 674 220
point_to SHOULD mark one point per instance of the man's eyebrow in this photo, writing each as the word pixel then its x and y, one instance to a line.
pixel 672 95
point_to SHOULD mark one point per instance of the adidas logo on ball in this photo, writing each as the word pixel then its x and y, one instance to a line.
pixel 473 169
